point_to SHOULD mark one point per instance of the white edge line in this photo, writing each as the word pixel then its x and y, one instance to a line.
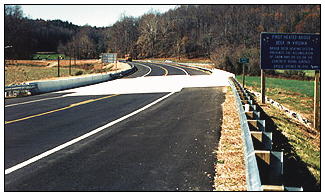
pixel 177 68
pixel 69 143
pixel 146 67
pixel 33 101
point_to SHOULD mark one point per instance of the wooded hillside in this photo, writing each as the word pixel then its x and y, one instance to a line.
pixel 222 33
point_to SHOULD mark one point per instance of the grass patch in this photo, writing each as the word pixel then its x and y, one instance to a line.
pixel 47 56
pixel 297 95
pixel 19 74
pixel 309 73
pixel 305 88
pixel 300 145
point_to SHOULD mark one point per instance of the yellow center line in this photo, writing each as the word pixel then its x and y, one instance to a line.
pixel 60 109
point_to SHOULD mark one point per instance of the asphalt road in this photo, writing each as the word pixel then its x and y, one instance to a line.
pixel 165 147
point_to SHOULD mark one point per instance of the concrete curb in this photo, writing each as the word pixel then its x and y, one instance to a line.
pixel 63 84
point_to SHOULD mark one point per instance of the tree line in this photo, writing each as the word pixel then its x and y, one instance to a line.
pixel 222 33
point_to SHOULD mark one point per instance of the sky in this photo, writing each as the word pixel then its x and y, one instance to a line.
pixel 93 15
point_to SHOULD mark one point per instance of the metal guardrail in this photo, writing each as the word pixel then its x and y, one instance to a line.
pixel 264 167
pixel 252 173
pixel 23 89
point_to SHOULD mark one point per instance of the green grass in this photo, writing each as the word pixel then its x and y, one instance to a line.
pixel 19 74
pixel 301 148
pixel 309 73
pixel 295 94
pixel 47 56
pixel 305 88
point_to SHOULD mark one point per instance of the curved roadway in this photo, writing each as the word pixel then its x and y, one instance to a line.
pixel 142 142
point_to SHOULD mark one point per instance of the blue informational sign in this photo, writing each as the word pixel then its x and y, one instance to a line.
pixel 244 60
pixel 290 51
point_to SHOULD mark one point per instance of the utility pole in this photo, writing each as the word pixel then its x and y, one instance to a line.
pixel 74 54
pixel 70 66
pixel 58 66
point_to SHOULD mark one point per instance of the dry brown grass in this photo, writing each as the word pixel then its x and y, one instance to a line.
pixel 20 71
pixel 230 168
pixel 48 62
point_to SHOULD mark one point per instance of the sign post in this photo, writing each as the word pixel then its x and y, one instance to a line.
pixel 317 101
pixel 263 86
pixel 295 51
pixel 243 61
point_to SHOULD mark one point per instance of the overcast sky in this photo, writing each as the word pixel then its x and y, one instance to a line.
pixel 94 15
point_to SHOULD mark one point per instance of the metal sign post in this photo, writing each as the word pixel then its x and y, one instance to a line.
pixel 263 86
pixel 244 61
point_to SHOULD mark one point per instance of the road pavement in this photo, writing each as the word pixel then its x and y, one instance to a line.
pixel 161 141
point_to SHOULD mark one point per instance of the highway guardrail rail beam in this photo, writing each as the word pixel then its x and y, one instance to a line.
pixel 264 167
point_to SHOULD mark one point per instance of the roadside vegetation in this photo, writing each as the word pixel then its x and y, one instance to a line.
pixel 297 95
pixel 20 71
pixel 48 56
pixel 20 74
pixel 221 33
pixel 300 145
pixel 183 60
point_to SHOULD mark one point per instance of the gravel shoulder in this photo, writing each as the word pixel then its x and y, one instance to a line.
pixel 230 168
